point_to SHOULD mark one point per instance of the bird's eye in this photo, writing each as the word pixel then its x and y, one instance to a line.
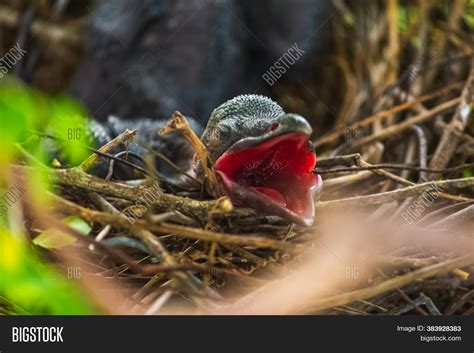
pixel 274 126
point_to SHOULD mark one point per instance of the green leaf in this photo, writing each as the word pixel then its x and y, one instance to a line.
pixel 53 239
pixel 78 224
pixel 56 239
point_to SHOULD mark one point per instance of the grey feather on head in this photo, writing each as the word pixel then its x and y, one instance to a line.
pixel 243 116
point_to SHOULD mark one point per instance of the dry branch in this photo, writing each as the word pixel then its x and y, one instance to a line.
pixel 391 284
pixel 179 124
pixel 400 127
pixel 105 218
pixel 453 132
pixel 333 136
pixel 124 137
pixel 399 194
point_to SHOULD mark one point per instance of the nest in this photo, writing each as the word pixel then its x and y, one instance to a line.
pixel 403 139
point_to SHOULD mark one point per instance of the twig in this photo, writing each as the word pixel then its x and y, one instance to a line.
pixel 404 125
pixel 458 305
pixel 394 195
pixel 347 179
pixel 393 48
pixel 333 136
pixel 69 207
pixel 151 242
pixel 453 132
pixel 101 235
pixel 356 159
pixel 391 284
pixel 117 256
pixel 392 166
pixel 402 181
pixel 422 151
pixel 347 160
pixel 455 218
pixel 412 303
pixel 93 150
pixel 125 136
pixel 158 304
pixel 76 177
pixel 444 210
pixel 404 262
pixel 173 165
pixel 179 123
pixel 454 15
pixel 110 170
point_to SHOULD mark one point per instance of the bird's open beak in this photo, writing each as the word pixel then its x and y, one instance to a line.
pixel 273 172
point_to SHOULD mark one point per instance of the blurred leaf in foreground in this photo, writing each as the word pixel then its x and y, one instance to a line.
pixel 55 239
pixel 27 283
pixel 24 111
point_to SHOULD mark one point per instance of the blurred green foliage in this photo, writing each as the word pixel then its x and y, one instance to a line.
pixel 34 287
pixel 27 284
pixel 23 111
pixel 469 14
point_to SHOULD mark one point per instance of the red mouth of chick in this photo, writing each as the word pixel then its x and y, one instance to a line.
pixel 276 174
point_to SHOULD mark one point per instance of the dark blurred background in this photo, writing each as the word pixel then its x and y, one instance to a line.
pixel 152 57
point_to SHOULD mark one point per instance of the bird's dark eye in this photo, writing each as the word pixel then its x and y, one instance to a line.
pixel 273 126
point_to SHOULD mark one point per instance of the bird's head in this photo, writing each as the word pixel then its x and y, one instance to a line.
pixel 264 157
